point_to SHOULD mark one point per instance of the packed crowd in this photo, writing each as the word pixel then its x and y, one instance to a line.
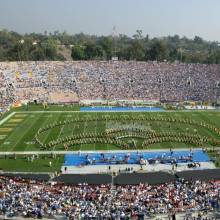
pixel 90 80
pixel 6 93
pixel 38 199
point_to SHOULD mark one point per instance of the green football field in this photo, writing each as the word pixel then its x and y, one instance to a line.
pixel 74 130
pixel 62 128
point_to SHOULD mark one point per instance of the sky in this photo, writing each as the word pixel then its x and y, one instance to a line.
pixel 154 17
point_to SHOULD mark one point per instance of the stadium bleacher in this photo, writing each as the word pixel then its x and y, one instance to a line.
pixel 91 80
pixel 104 196
pixel 95 196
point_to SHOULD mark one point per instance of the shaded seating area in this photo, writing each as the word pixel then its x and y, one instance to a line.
pixel 28 176
pixel 91 179
pixel 202 175
pixel 150 178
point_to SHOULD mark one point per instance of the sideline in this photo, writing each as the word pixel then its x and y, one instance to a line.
pixel 165 111
pixel 6 118
pixel 63 152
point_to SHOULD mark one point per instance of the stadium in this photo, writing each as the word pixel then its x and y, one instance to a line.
pixel 65 128
pixel 109 110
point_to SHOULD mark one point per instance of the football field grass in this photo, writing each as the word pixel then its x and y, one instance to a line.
pixel 18 132
pixel 21 163
pixel 60 125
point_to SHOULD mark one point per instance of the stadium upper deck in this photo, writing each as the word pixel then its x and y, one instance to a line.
pixel 74 81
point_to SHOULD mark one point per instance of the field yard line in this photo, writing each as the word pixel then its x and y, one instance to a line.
pixel 96 124
pixel 61 130
pixel 91 151
pixel 46 136
pixel 21 136
pixel 6 118
pixel 166 111
pixel 83 133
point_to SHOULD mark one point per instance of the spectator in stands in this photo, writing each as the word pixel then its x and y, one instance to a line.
pixel 37 199
pixel 75 81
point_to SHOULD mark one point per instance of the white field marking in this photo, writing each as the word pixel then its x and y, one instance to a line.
pixel 167 111
pixel 20 116
pixel 45 137
pixel 18 140
pixel 106 122
pixel 84 125
pixel 7 143
pixel 16 120
pixel 99 151
pixel 48 116
pixel 6 118
pixel 10 125
pixel 61 130
pixel 29 143
pixel 12 133
pixel 96 124
pixel 2 137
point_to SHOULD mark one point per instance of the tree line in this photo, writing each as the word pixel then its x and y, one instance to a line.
pixel 55 46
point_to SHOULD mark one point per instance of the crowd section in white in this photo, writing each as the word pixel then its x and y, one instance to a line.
pixel 73 81
pixel 35 199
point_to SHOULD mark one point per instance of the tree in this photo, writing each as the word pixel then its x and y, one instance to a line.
pixel 158 51
pixel 50 49
pixel 136 50
pixel 92 51
pixel 78 52
pixel 137 47
pixel 107 45
pixel 198 40
pixel 50 46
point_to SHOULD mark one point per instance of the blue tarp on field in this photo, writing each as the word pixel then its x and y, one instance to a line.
pixel 78 159
pixel 120 109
